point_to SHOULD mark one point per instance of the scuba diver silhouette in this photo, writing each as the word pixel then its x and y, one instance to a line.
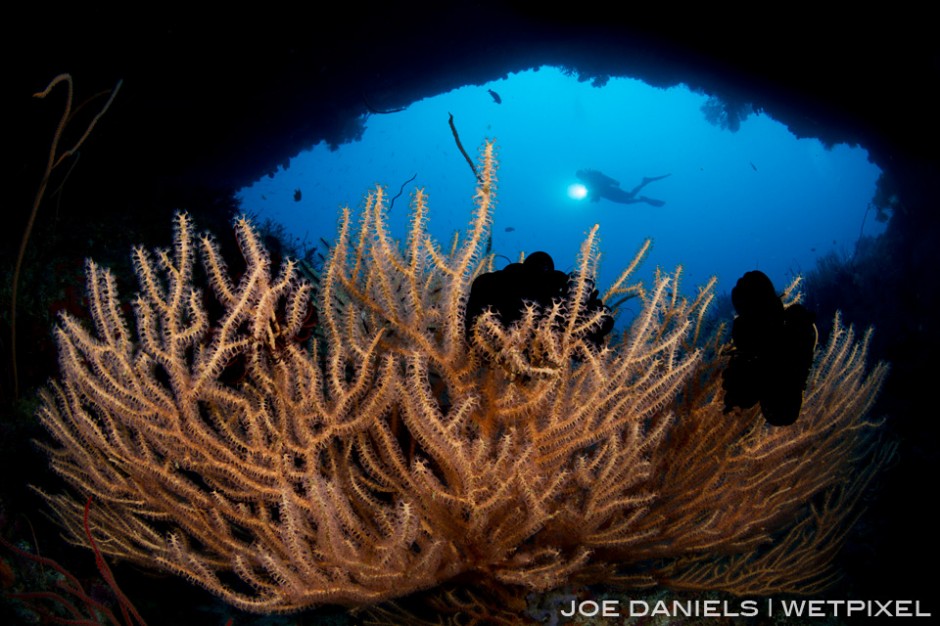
pixel 602 186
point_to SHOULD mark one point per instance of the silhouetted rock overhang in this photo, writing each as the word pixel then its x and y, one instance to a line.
pixel 220 99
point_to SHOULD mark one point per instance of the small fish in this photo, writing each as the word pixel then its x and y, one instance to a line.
pixel 509 229
pixel 297 195
pixel 495 96
pixel 753 167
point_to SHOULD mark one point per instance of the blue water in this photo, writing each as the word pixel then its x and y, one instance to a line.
pixel 757 198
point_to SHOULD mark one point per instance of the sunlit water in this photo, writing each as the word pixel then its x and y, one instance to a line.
pixel 755 199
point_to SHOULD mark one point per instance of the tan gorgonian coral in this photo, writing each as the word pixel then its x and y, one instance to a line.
pixel 388 455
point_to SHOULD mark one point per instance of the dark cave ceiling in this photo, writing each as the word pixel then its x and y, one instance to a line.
pixel 217 100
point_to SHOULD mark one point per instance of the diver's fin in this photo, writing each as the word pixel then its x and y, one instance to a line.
pixel 643 183
pixel 652 201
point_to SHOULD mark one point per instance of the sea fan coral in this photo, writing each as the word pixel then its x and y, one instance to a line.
pixel 396 451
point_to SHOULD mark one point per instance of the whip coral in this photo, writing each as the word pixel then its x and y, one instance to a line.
pixel 396 451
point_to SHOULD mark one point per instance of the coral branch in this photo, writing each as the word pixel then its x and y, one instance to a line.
pixel 398 450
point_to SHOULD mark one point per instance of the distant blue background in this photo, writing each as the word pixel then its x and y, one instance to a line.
pixel 721 216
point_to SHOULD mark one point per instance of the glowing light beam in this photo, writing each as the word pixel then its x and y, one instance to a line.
pixel 577 191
